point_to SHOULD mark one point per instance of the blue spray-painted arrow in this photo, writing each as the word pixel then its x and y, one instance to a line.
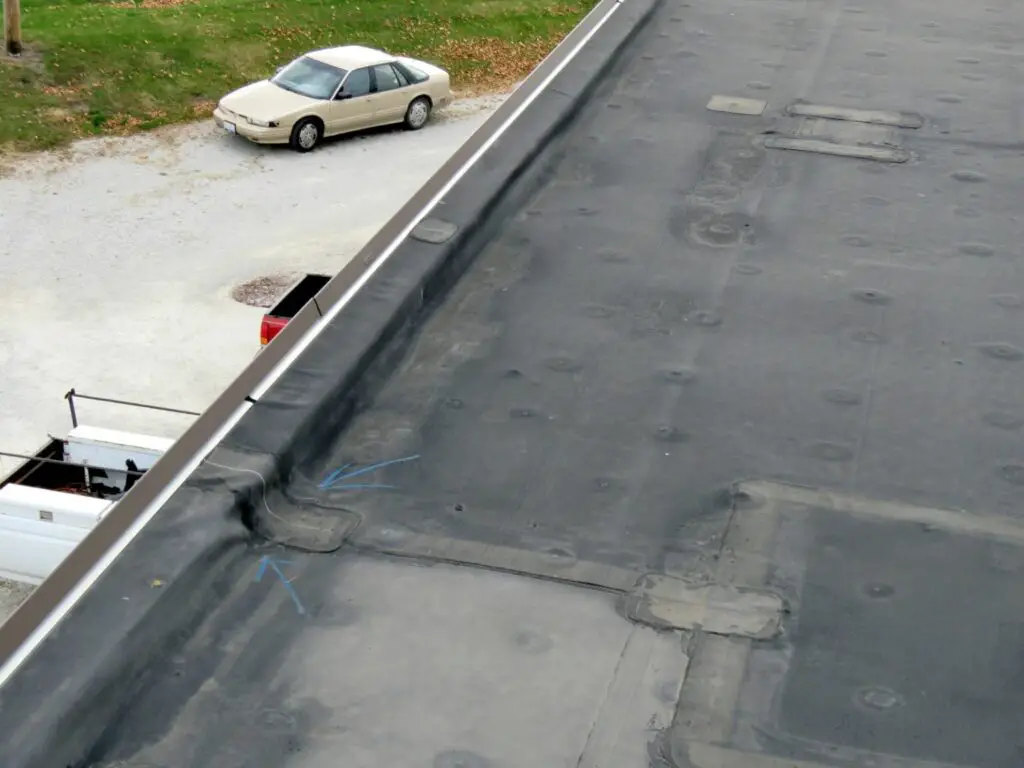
pixel 275 565
pixel 338 478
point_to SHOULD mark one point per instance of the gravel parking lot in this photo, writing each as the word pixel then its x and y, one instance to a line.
pixel 121 258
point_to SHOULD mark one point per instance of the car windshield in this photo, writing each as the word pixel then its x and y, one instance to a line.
pixel 309 77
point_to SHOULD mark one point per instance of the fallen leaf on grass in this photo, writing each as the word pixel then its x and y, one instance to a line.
pixel 287 34
pixel 203 108
pixel 565 10
pixel 58 115
pixel 507 63
pixel 121 124
pixel 151 3
pixel 64 91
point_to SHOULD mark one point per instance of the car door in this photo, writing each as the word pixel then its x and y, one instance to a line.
pixel 392 94
pixel 353 106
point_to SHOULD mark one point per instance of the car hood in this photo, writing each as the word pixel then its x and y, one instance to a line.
pixel 265 101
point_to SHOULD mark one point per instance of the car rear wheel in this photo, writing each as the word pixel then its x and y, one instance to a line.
pixel 418 113
pixel 306 134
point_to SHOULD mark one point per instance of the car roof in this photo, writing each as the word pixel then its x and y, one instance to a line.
pixel 351 56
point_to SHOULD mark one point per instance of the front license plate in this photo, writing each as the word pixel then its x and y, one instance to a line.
pixel 229 127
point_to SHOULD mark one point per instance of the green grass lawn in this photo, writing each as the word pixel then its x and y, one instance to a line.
pixel 96 67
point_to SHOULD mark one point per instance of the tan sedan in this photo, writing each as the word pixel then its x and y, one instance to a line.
pixel 334 91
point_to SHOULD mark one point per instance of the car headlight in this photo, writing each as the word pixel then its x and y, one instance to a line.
pixel 262 123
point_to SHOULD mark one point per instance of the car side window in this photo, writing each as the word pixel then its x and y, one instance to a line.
pixel 387 80
pixel 412 74
pixel 357 83
pixel 403 81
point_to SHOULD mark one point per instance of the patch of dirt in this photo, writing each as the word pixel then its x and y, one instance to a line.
pixel 30 58
pixel 264 291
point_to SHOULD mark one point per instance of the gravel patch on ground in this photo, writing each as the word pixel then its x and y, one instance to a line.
pixel 12 594
pixel 264 291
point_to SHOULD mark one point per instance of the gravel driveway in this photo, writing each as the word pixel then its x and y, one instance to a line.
pixel 121 257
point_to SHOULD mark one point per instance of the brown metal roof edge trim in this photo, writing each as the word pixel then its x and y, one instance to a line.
pixel 48 596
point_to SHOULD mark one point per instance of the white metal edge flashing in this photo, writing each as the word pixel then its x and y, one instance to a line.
pixel 101 565
pixel 364 278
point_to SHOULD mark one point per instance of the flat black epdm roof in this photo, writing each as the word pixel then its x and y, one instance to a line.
pixel 685 430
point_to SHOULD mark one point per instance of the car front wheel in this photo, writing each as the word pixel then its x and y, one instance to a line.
pixel 418 113
pixel 306 134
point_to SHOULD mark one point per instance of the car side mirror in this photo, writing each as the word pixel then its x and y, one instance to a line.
pixel 342 96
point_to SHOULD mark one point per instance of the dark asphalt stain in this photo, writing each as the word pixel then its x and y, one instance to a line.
pixel 668 692
pixel 612 256
pixel 970 177
pixel 875 201
pixel 678 376
pixel 976 249
pixel 843 397
pixel 871 296
pixel 856 241
pixel 878 590
pixel 530 641
pixel 1001 351
pixel 1003 420
pixel 563 364
pixel 598 311
pixel 667 433
pixel 1012 473
pixel 1008 300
